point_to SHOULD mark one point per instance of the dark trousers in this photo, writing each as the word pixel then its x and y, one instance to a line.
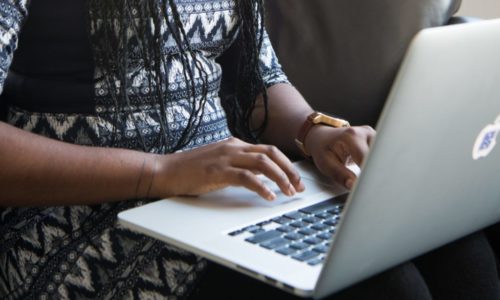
pixel 493 235
pixel 464 269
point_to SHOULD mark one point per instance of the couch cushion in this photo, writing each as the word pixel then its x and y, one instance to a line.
pixel 344 54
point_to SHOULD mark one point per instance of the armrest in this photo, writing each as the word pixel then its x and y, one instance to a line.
pixel 462 19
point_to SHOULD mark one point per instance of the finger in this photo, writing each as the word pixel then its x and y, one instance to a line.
pixel 359 151
pixel 355 143
pixel 334 167
pixel 247 179
pixel 261 163
pixel 282 161
pixel 342 152
pixel 370 134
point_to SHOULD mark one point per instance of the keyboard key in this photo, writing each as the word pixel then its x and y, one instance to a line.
pixel 307 231
pixel 334 217
pixel 337 209
pixel 311 220
pixel 320 226
pixel 334 211
pixel 264 223
pixel 275 243
pixel 315 262
pixel 286 251
pixel 296 215
pixel 321 249
pixel 252 228
pixel 324 236
pixel 313 241
pixel 294 236
pixel 236 232
pixel 263 236
pixel 298 224
pixel 323 215
pixel 299 246
pixel 259 230
pixel 305 256
pixel 281 220
pixel 331 222
pixel 318 207
pixel 285 228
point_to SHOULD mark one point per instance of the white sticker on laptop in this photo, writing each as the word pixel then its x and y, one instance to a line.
pixel 486 140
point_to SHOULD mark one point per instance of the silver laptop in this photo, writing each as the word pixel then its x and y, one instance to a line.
pixel 432 176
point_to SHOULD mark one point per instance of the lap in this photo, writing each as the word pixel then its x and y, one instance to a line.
pixel 464 269
pixel 80 252
pixel 401 282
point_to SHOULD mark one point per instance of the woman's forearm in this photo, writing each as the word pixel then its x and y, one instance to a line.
pixel 287 111
pixel 37 171
pixel 40 171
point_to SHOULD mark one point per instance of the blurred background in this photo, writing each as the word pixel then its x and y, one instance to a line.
pixel 486 9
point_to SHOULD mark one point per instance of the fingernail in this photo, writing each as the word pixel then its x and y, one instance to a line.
pixel 271 195
pixel 349 183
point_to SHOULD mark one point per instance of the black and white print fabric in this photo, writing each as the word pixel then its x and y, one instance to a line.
pixel 80 252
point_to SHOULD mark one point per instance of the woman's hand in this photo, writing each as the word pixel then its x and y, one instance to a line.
pixel 332 149
pixel 228 163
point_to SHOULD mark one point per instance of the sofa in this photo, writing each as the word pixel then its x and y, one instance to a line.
pixel 343 55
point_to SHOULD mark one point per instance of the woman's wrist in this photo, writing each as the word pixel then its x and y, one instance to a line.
pixel 150 180
pixel 313 138
pixel 145 180
pixel 314 120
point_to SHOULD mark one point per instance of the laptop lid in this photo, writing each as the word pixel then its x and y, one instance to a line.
pixel 432 175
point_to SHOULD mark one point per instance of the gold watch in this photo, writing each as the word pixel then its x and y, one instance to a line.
pixel 314 119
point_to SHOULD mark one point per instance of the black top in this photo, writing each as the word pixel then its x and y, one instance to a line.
pixel 53 67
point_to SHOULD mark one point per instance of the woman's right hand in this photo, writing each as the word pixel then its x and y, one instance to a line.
pixel 228 163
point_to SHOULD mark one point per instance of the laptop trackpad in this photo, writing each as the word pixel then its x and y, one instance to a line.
pixel 239 197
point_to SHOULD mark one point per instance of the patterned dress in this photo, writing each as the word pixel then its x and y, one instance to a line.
pixel 81 252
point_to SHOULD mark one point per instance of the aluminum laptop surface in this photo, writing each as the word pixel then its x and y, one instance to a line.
pixel 431 176
pixel 423 184
pixel 202 225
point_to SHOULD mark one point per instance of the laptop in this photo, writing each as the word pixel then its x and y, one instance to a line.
pixel 432 176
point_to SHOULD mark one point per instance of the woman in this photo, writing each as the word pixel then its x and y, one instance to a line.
pixel 115 100
pixel 120 101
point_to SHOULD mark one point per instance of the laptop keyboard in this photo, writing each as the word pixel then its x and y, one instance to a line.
pixel 304 235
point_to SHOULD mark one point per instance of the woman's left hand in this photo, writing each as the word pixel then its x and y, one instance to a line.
pixel 332 149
